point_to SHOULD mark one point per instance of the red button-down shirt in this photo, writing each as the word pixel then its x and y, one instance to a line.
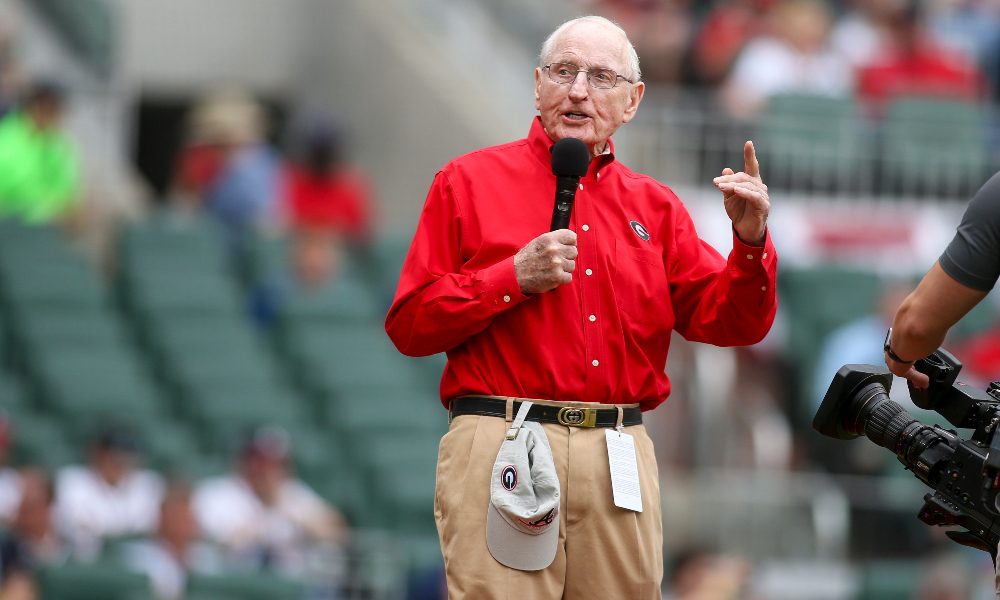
pixel 641 272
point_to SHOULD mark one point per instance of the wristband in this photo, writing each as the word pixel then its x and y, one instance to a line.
pixel 888 350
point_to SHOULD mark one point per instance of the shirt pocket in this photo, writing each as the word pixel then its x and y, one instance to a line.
pixel 640 285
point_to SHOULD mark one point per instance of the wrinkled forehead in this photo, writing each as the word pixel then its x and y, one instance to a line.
pixel 590 44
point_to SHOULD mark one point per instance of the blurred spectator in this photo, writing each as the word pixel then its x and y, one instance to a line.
pixel 39 168
pixel 661 31
pixel 227 168
pixel 262 516
pixel 11 76
pixel 10 479
pixel 32 537
pixel 858 342
pixel 696 574
pixel 912 64
pixel 328 202
pixel 108 497
pixel 723 33
pixel 945 577
pixel 31 540
pixel 174 551
pixel 860 33
pixel 795 57
pixel 971 27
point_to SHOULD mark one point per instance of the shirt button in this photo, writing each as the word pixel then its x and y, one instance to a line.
pixel 589 272
pixel 749 256
pixel 592 318
pixel 581 186
pixel 764 255
pixel 595 362
pixel 585 227
pixel 598 175
pixel 763 288
pixel 506 298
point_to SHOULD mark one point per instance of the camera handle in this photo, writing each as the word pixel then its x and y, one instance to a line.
pixel 939 511
pixel 991 467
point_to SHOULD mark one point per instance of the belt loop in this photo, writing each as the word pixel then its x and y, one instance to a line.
pixel 621 416
pixel 510 411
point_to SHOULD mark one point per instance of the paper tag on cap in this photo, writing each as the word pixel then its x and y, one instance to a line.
pixel 624 470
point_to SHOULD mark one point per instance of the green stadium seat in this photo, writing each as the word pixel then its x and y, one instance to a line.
pixel 55 285
pixel 41 440
pixel 167 244
pixel 154 293
pixel 346 299
pixel 92 582
pixel 889 580
pixel 817 300
pixel 386 405
pixel 247 586
pixel 811 141
pixel 934 146
pixel 78 381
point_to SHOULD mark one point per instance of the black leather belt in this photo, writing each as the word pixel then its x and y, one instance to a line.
pixel 572 416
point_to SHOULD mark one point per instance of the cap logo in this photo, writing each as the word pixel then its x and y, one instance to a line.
pixel 508 478
pixel 541 522
pixel 640 230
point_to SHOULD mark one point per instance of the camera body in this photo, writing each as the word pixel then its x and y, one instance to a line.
pixel 963 473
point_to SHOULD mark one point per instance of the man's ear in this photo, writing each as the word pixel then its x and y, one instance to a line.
pixel 538 87
pixel 634 98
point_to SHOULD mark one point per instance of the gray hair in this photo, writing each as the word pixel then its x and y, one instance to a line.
pixel 633 58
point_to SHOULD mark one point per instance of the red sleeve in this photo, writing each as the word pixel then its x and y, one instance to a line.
pixel 720 302
pixel 439 302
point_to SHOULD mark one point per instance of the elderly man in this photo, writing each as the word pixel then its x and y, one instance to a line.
pixel 564 502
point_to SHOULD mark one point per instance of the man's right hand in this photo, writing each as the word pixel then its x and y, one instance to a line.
pixel 546 262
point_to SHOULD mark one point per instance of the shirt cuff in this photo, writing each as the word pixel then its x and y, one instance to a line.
pixel 499 286
pixel 749 259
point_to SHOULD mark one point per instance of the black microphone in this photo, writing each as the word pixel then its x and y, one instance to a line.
pixel 570 159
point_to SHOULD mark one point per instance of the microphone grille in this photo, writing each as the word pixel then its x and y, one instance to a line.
pixel 570 158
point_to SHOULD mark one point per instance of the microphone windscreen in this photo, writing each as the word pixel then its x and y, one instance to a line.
pixel 570 158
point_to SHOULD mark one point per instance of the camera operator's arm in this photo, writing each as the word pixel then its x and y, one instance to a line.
pixel 924 318
pixel 965 273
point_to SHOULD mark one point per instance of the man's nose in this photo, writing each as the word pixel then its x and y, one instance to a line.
pixel 580 86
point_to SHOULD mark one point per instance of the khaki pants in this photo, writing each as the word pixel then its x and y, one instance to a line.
pixel 605 552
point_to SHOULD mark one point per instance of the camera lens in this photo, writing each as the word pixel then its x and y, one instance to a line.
pixel 882 420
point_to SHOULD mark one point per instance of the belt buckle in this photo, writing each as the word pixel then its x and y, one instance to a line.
pixel 572 416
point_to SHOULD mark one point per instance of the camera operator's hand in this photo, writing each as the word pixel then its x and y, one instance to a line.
pixel 906 370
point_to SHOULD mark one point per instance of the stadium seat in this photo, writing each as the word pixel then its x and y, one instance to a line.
pixel 935 147
pixel 42 440
pixel 247 586
pixel 92 582
pixel 811 142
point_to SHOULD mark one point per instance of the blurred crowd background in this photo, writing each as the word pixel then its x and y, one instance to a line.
pixel 204 207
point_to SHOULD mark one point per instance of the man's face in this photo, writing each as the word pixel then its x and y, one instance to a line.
pixel 576 109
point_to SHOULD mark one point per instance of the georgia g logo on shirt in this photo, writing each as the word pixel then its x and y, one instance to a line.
pixel 639 230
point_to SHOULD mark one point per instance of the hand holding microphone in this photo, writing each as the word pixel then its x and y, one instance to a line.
pixel 570 159
pixel 546 262
pixel 549 260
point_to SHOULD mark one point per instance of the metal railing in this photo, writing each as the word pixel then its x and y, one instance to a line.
pixel 821 147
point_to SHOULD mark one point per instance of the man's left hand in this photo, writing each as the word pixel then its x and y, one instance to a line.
pixel 745 197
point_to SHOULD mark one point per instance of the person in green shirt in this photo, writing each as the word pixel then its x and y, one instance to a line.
pixel 38 162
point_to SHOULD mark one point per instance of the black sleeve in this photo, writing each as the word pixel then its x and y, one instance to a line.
pixel 973 256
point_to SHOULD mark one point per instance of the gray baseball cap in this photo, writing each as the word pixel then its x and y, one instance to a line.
pixel 522 520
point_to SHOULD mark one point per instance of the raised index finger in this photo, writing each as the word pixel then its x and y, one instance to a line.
pixel 750 165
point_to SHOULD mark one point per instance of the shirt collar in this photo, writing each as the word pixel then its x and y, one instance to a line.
pixel 541 146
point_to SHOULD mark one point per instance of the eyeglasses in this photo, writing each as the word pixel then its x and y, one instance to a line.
pixel 602 79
